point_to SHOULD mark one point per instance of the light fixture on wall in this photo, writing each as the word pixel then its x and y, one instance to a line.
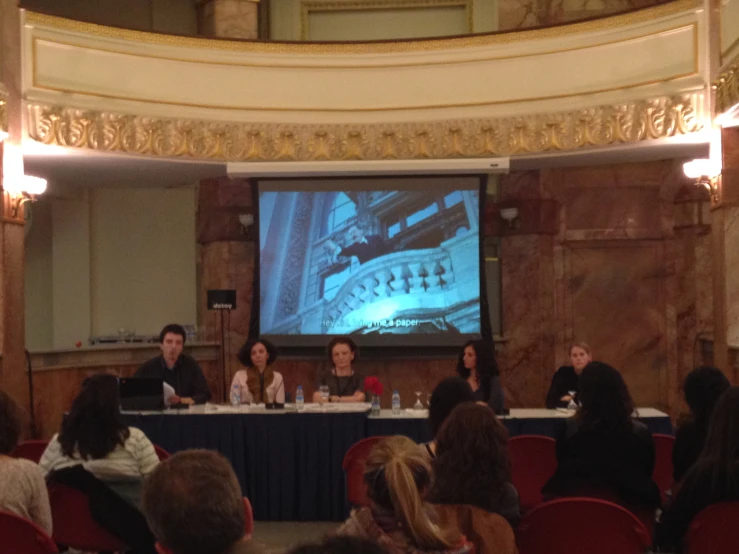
pixel 246 221
pixel 509 215
pixel 3 135
pixel 706 173
pixel 24 189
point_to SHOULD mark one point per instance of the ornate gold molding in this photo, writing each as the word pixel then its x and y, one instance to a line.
pixel 727 88
pixel 599 126
pixel 3 110
pixel 600 24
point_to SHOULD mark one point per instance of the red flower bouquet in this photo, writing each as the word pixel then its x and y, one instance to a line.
pixel 372 386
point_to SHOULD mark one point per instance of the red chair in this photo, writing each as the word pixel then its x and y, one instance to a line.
pixel 714 530
pixel 30 450
pixel 161 453
pixel 533 462
pixel 585 525
pixel 662 473
pixel 73 523
pixel 20 535
pixel 353 466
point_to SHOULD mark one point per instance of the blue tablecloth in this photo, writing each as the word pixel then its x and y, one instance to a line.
pixel 289 465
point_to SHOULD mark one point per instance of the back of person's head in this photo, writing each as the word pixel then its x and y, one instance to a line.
pixel 94 424
pixel 340 545
pixel 722 440
pixel 193 504
pixel 447 395
pixel 175 329
pixel 471 465
pixel 396 474
pixel 605 401
pixel 702 388
pixel 10 424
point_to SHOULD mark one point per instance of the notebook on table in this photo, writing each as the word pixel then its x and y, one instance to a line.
pixel 141 393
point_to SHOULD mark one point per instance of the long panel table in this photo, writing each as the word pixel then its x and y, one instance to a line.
pixel 289 463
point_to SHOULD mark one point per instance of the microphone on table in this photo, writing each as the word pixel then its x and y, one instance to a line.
pixel 276 405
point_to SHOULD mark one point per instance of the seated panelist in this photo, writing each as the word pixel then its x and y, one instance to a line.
pixel 567 378
pixel 259 383
pixel 178 370
pixel 478 367
pixel 344 385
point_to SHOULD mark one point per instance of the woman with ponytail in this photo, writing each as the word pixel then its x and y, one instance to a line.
pixel 397 473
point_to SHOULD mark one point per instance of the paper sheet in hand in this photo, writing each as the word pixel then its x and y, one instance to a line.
pixel 168 392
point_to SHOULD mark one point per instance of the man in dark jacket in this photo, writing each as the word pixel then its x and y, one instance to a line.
pixel 178 370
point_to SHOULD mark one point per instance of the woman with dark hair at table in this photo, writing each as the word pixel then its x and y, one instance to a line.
pixel 566 379
pixel 713 479
pixel 602 450
pixel 22 486
pixel 397 475
pixel 702 388
pixel 447 395
pixel 343 383
pixel 472 466
pixel 477 365
pixel 94 436
pixel 259 383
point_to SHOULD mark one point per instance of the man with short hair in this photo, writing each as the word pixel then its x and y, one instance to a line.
pixel 193 504
pixel 178 370
pixel 364 247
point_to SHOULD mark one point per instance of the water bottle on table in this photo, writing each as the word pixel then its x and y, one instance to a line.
pixel 396 403
pixel 299 398
pixel 235 395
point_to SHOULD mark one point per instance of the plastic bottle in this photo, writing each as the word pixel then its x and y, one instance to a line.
pixel 235 396
pixel 396 403
pixel 299 398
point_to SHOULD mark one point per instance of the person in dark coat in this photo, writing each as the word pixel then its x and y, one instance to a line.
pixel 477 365
pixel 602 451
pixel 566 379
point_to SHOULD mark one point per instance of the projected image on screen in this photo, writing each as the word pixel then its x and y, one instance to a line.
pixel 358 258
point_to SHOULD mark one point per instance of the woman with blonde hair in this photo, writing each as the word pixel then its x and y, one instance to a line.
pixel 397 473
pixel 567 378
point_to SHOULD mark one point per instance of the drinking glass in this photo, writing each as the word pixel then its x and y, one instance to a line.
pixel 572 404
pixel 418 405
pixel 324 393
pixel 428 400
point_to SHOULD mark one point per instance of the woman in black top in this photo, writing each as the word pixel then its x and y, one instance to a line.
pixel 601 450
pixel 714 478
pixel 567 377
pixel 477 365
pixel 447 395
pixel 702 387
pixel 343 383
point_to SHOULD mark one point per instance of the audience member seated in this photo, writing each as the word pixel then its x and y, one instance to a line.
pixel 602 451
pixel 344 385
pixel 259 383
pixel 397 473
pixel 193 504
pixel 93 435
pixel 565 380
pixel 478 366
pixel 22 485
pixel 339 545
pixel 447 395
pixel 702 388
pixel 713 478
pixel 472 466
pixel 178 370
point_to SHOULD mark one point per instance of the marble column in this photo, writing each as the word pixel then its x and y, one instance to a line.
pixel 528 277
pixel 229 18
pixel 13 378
pixel 725 231
pixel 226 261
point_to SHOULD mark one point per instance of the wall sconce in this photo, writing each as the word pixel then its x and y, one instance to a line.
pixel 246 221
pixel 25 189
pixel 3 135
pixel 509 215
pixel 706 173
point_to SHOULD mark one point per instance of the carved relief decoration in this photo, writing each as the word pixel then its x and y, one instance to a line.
pixel 600 126
pixel 3 110
pixel 727 88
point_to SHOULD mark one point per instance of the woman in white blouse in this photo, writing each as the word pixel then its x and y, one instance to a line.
pixel 94 435
pixel 259 383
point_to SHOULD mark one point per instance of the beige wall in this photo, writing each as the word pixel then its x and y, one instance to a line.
pixel 106 259
pixel 163 16
pixel 341 21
